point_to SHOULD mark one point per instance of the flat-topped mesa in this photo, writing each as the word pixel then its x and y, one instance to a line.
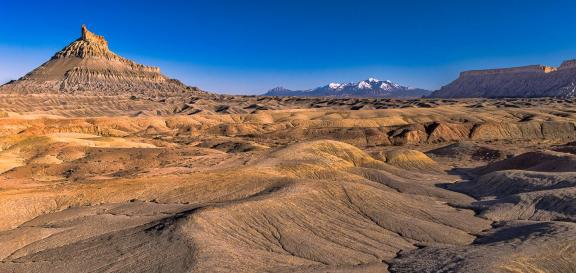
pixel 512 70
pixel 569 64
pixel 524 81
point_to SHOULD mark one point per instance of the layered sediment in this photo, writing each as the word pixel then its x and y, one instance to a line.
pixel 88 66
pixel 525 81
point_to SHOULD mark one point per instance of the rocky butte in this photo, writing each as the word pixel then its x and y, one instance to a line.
pixel 88 66
pixel 525 81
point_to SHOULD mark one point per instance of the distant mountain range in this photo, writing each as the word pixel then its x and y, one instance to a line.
pixel 370 88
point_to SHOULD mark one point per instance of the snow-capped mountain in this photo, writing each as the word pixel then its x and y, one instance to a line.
pixel 370 88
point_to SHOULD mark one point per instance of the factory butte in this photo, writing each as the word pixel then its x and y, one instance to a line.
pixel 88 66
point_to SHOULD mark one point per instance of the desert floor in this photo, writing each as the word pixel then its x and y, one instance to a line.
pixel 256 184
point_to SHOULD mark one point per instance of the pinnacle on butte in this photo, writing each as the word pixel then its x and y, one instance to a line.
pixel 88 66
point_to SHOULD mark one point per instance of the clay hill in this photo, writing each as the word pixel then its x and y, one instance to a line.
pixel 370 88
pixel 466 186
pixel 526 81
pixel 109 166
pixel 88 66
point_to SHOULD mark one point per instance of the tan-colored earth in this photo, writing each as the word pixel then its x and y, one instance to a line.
pixel 262 184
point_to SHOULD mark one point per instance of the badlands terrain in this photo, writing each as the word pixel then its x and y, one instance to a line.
pixel 94 184
pixel 109 166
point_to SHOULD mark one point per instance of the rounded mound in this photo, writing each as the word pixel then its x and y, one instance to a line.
pixel 542 161
pixel 329 152
pixel 410 159
pixel 508 182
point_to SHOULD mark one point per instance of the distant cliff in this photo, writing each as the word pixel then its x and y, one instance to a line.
pixel 525 81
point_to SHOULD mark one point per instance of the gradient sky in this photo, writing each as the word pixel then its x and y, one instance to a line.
pixel 248 47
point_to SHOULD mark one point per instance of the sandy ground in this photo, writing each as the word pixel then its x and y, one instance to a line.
pixel 256 184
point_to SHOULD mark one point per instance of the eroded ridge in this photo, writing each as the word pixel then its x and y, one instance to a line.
pixel 290 190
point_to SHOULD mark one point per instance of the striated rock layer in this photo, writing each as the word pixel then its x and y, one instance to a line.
pixel 526 81
pixel 88 66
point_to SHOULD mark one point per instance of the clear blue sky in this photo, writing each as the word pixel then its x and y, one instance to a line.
pixel 251 46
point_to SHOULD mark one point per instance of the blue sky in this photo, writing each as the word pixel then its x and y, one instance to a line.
pixel 251 46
